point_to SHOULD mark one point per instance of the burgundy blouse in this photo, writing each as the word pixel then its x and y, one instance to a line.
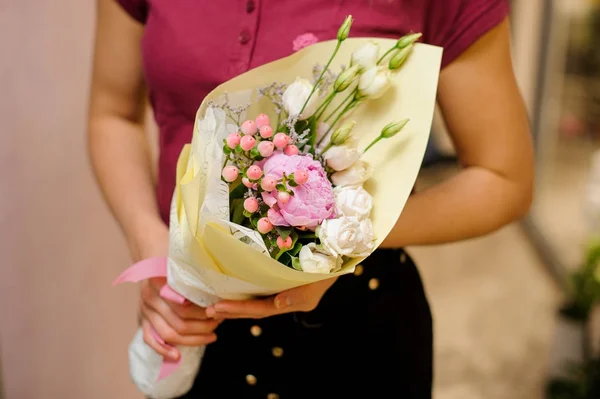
pixel 191 46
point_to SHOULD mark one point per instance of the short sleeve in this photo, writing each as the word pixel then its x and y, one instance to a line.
pixel 137 9
pixel 457 24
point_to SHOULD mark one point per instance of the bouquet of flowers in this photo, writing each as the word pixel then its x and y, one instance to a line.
pixel 283 183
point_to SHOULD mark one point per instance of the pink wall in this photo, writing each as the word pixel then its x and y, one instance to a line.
pixel 64 330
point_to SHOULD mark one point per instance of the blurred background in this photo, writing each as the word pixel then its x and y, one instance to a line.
pixel 514 312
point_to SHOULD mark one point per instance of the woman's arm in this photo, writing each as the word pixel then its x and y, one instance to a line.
pixel 487 121
pixel 117 142
pixel 122 164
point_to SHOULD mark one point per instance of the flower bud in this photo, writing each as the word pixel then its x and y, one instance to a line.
pixel 340 136
pixel 296 95
pixel 366 55
pixel 401 55
pixel 374 82
pixel 346 78
pixel 407 40
pixel 344 30
pixel 391 129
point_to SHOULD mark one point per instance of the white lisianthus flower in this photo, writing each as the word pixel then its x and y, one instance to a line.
pixel 374 82
pixel 353 201
pixel 366 241
pixel 355 175
pixel 318 260
pixel 340 157
pixel 295 96
pixel 340 235
pixel 366 55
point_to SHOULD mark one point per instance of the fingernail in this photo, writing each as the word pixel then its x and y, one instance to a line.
pixel 218 307
pixel 282 302
pixel 174 354
pixel 210 311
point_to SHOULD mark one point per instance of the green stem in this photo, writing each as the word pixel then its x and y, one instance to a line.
pixel 352 94
pixel 226 160
pixel 373 143
pixel 319 112
pixel 328 146
pixel 385 55
pixel 348 107
pixel 337 47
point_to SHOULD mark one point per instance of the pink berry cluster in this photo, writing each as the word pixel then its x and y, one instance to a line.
pixel 265 144
pixel 255 148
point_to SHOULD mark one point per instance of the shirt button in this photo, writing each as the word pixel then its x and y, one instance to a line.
pixel 255 331
pixel 250 6
pixel 244 37
pixel 277 351
pixel 402 258
pixel 358 270
pixel 272 396
pixel 373 284
pixel 250 379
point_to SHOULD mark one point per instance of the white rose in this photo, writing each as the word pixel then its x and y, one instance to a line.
pixel 355 175
pixel 353 201
pixel 343 156
pixel 317 260
pixel 374 82
pixel 340 235
pixel 366 241
pixel 295 96
pixel 366 55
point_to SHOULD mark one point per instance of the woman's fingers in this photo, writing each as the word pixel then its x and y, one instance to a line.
pixel 169 353
pixel 180 325
pixel 188 311
pixel 150 293
pixel 193 333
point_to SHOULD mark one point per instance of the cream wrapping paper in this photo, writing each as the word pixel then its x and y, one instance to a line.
pixel 211 258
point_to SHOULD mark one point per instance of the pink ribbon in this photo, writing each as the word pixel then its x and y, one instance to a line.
pixel 144 270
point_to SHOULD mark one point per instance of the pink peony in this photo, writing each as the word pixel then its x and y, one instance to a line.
pixel 304 40
pixel 311 203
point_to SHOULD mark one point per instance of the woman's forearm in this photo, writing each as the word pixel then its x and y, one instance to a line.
pixel 122 164
pixel 474 202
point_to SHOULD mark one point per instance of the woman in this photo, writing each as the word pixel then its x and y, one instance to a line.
pixel 364 335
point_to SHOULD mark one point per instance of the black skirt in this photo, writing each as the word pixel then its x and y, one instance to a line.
pixel 370 336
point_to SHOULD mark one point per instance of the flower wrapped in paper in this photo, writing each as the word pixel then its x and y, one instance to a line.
pixel 234 229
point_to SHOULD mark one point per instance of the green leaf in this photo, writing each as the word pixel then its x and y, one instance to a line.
pixel 296 248
pixel 247 214
pixel 296 263
pixel 238 192
pixel 237 209
pixel 238 149
pixel 283 231
pixel 281 187
pixel 286 259
pixel 226 149
pixel 292 184
pixel 254 153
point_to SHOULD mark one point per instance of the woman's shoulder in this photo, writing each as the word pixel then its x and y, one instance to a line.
pixel 457 24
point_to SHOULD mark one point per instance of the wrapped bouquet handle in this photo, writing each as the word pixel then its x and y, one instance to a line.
pixel 155 376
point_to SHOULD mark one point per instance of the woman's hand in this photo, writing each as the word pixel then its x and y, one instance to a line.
pixel 176 324
pixel 299 299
